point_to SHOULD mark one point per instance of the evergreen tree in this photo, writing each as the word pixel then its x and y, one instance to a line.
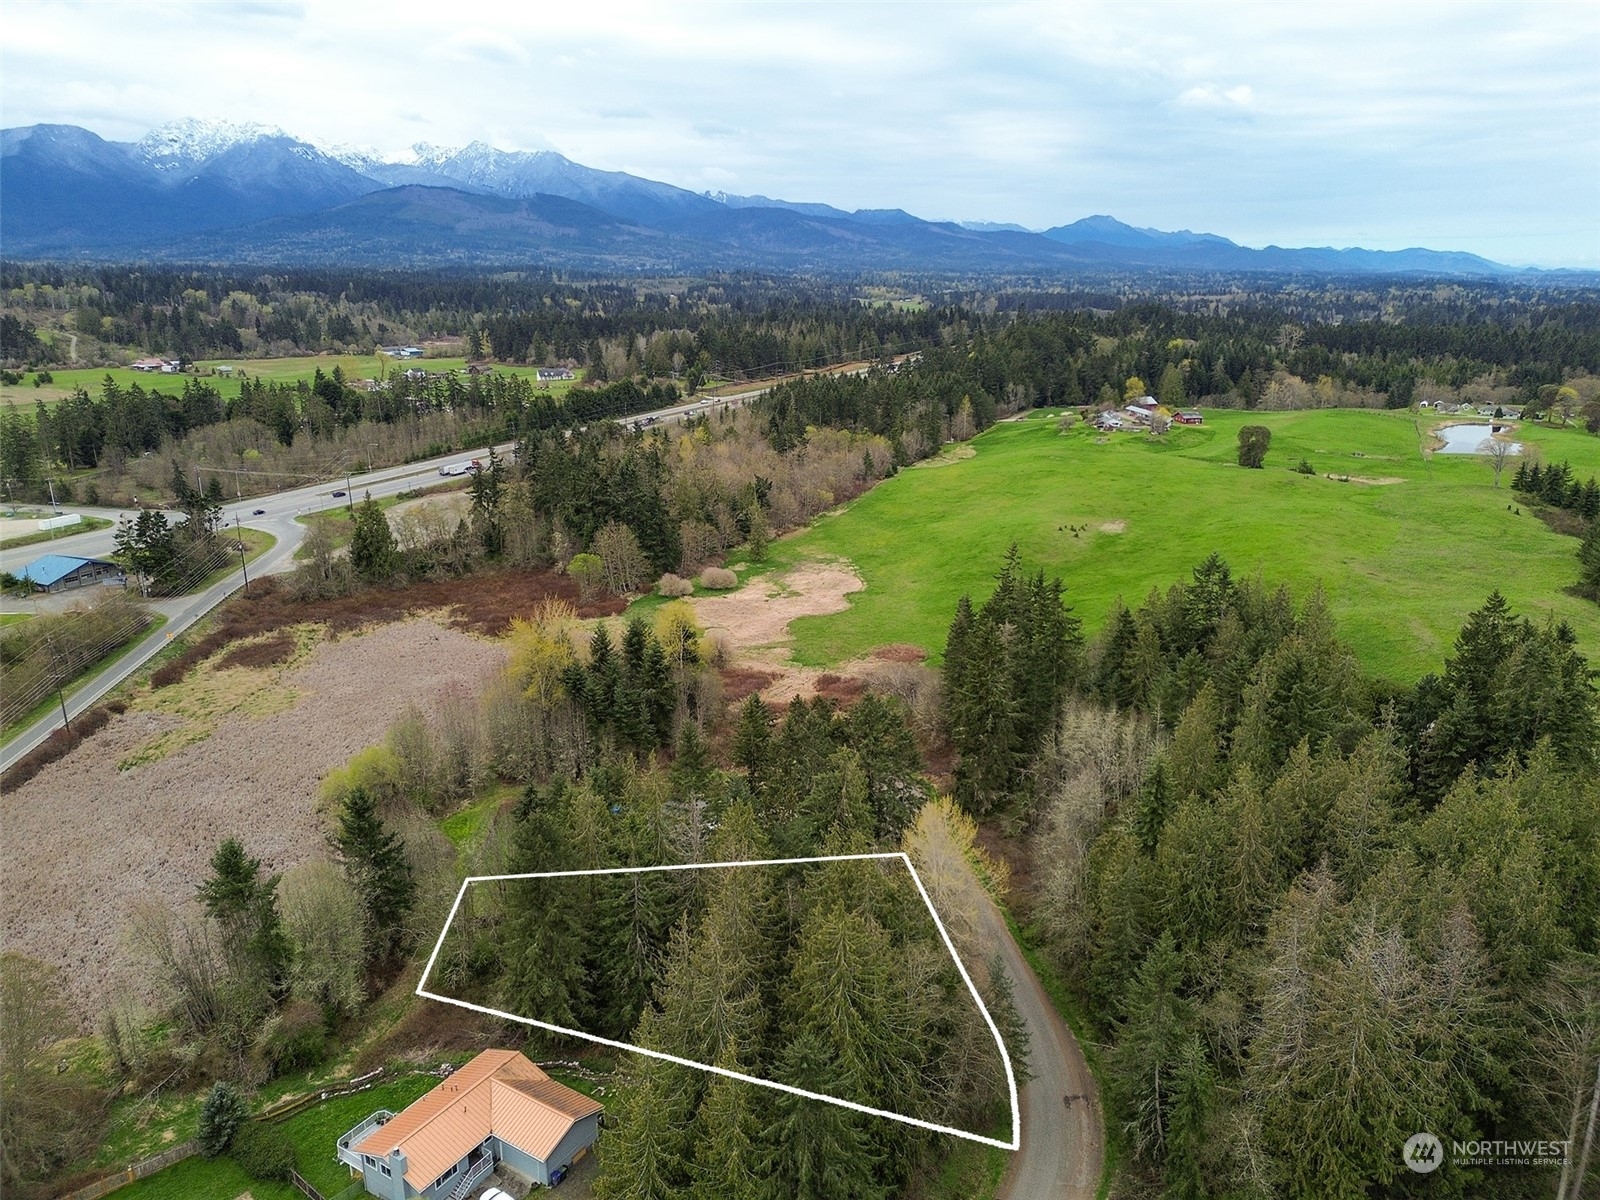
pixel 1193 1087
pixel 727 1139
pixel 545 924
pixel 221 1115
pixel 1151 1046
pixel 245 907
pixel 376 865
pixel 1589 561
pixel 372 547
pixel 752 741
pixel 1153 806
pixel 645 1155
pixel 817 1151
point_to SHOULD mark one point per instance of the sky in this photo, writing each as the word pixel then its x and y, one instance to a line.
pixel 1455 126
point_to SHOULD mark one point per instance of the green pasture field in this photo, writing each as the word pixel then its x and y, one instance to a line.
pixel 66 380
pixel 1402 563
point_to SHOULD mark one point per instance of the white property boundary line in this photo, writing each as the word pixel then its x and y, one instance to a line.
pixel 1011 1078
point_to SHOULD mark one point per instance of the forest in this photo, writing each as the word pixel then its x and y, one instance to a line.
pixel 1304 912
pixel 642 349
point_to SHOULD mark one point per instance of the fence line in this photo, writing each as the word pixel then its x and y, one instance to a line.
pixel 137 1171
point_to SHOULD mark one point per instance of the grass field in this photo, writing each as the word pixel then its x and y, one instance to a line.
pixel 66 380
pixel 1402 562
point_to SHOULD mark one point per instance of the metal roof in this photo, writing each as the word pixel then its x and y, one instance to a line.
pixel 499 1092
pixel 52 568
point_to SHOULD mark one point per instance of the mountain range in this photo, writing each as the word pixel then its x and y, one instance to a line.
pixel 199 191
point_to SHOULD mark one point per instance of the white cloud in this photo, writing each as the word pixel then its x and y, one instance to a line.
pixel 1397 124
pixel 1208 95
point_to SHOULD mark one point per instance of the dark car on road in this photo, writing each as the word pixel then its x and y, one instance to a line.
pixel 258 512
pixel 338 495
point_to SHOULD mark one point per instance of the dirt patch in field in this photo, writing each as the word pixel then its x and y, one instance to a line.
pixel 1114 527
pixel 84 839
pixel 900 652
pixel 1369 480
pixel 759 613
pixel 755 622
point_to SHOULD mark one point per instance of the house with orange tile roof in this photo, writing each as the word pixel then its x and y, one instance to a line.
pixel 499 1109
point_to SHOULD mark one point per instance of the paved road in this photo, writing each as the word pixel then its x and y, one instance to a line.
pixel 1062 1144
pixel 277 516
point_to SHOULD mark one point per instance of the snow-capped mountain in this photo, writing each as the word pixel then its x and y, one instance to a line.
pixel 246 192
pixel 190 142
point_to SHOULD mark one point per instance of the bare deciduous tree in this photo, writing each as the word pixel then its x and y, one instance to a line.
pixel 1499 451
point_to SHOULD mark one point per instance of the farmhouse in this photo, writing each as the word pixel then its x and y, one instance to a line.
pixel 63 572
pixel 1188 418
pixel 167 366
pixel 549 373
pixel 498 1110
pixel 401 351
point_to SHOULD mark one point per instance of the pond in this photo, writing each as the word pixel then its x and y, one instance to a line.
pixel 1469 439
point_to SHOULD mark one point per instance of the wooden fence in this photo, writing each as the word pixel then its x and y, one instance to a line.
pixel 139 1170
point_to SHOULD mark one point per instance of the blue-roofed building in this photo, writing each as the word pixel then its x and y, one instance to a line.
pixel 63 572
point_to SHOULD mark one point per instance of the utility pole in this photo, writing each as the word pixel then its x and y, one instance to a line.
pixel 55 669
pixel 240 535
pixel 348 498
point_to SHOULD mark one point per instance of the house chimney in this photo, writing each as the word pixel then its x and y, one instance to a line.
pixel 397 1163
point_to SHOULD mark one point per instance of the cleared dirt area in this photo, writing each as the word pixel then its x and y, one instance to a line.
pixel 84 839
pixel 758 614
pixel 1370 480
pixel 755 621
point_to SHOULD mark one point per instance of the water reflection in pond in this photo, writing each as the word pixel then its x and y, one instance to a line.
pixel 1470 439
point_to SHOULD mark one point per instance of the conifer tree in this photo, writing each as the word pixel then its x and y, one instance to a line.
pixel 752 741
pixel 372 547
pixel 545 932
pixel 817 1151
pixel 245 907
pixel 376 865
pixel 727 1139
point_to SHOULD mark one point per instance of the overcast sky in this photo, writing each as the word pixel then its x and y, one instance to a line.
pixel 1461 126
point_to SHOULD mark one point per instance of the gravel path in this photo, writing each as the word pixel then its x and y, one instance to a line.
pixel 83 840
pixel 1062 1128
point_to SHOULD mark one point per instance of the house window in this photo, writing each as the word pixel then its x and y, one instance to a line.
pixel 384 1167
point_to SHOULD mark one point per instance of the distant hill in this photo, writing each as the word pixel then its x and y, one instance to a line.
pixel 223 192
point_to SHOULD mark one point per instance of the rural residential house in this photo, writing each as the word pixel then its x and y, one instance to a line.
pixel 549 373
pixel 1188 417
pixel 499 1109
pixel 63 572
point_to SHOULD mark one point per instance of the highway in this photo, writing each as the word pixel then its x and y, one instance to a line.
pixel 278 513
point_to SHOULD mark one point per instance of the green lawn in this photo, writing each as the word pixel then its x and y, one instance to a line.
pixel 313 1132
pixel 66 380
pixel 204 1179
pixel 1402 563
